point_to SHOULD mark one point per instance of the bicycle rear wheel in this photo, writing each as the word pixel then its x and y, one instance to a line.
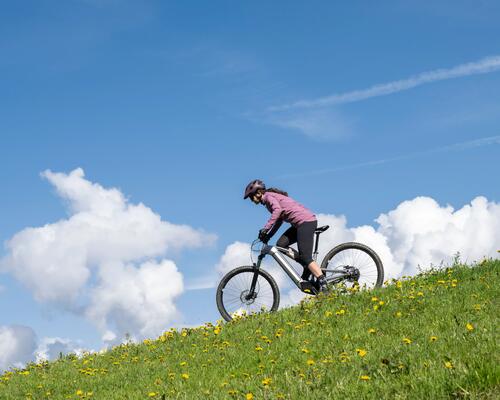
pixel 353 264
pixel 234 288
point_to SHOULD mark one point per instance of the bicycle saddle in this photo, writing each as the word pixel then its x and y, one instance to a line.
pixel 322 229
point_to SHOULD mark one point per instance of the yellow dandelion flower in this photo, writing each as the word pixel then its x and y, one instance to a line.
pixel 371 330
pixel 258 348
pixel 185 376
pixel 433 338
pixel 217 330
pixel 374 298
pixel 304 350
pixel 406 340
pixel 361 352
pixel 266 381
pixel 310 362
pixel 340 312
pixel 328 313
pixel 399 314
pixel 381 302
pixel 249 396
pixel 469 327
pixel 364 378
pixel 79 392
pixel 448 364
pixel 151 394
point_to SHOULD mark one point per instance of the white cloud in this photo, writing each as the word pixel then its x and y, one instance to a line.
pixel 106 248
pixel 420 232
pixel 416 235
pixel 17 344
pixel 321 125
pixel 52 348
pixel 138 301
pixel 483 66
pixel 236 255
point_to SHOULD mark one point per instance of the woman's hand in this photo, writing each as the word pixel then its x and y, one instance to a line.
pixel 263 236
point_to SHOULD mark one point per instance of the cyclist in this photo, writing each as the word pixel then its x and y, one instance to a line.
pixel 303 221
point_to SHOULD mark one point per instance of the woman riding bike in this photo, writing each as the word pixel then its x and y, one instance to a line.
pixel 303 221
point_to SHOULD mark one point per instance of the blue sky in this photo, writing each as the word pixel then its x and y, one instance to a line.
pixel 180 104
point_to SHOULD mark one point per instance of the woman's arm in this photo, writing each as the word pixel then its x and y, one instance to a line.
pixel 275 228
pixel 276 213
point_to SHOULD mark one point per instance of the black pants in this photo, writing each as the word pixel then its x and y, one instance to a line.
pixel 303 235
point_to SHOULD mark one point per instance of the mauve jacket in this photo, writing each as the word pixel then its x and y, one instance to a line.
pixel 283 208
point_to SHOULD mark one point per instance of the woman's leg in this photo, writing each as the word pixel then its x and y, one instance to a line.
pixel 305 239
pixel 288 238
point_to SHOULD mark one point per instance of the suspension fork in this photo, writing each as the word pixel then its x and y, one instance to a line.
pixel 251 294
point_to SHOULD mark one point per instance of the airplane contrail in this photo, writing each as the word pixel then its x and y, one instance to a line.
pixel 483 66
pixel 453 147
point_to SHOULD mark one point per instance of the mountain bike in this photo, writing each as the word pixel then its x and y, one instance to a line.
pixel 250 289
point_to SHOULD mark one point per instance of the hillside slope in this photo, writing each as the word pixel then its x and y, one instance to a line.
pixel 432 336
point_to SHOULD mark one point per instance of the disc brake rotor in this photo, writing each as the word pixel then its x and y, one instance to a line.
pixel 247 300
pixel 352 273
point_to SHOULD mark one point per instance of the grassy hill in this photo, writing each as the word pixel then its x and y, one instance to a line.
pixel 430 337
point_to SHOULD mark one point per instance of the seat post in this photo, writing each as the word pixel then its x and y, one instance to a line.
pixel 317 232
pixel 316 245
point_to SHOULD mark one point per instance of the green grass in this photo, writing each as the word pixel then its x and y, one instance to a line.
pixel 429 337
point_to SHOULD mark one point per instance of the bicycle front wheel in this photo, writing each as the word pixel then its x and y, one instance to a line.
pixel 353 264
pixel 233 293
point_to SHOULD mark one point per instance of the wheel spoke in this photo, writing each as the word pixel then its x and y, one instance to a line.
pixel 231 297
pixel 356 264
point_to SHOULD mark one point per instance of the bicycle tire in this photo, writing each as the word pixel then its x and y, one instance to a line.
pixel 342 249
pixel 244 284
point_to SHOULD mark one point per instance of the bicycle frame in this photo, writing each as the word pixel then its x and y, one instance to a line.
pixel 278 253
pixel 279 257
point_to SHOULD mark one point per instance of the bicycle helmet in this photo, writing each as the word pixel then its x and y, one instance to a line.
pixel 253 186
